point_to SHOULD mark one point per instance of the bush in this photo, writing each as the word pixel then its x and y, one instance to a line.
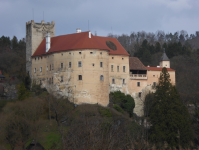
pixel 118 108
pixel 105 112
pixel 36 88
pixel 126 102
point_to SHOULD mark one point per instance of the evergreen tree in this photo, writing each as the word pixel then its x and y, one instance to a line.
pixel 22 92
pixel 169 117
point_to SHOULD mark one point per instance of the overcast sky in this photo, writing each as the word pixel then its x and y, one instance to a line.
pixel 105 16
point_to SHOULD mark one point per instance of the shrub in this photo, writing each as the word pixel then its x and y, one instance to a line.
pixel 36 88
pixel 118 108
pixel 126 102
pixel 22 92
pixel 105 112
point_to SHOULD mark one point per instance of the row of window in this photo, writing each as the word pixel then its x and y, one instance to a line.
pixel 113 81
pixel 80 65
pixel 70 54
pixel 62 66
pixel 118 68
pixel 154 84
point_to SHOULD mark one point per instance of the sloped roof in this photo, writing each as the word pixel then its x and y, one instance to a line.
pixel 164 57
pixel 136 64
pixel 79 41
pixel 120 49
pixel 158 69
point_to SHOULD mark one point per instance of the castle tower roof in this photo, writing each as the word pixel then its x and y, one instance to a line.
pixel 164 57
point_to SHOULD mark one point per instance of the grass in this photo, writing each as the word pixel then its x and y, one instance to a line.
pixel 50 136
pixel 52 139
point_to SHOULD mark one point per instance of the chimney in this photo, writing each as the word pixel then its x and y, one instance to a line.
pixel 89 35
pixel 78 30
pixel 47 41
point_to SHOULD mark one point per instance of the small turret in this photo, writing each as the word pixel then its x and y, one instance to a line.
pixel 164 60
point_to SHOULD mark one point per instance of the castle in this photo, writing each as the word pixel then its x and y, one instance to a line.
pixel 86 68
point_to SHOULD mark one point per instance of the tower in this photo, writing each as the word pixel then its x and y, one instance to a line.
pixel 35 33
pixel 164 60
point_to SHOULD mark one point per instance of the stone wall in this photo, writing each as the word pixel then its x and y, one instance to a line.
pixel 35 33
pixel 9 91
pixel 66 83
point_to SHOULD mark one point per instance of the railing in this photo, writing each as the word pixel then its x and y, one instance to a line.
pixel 138 76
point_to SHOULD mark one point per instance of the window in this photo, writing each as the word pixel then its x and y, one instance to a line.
pixel 101 64
pixel 91 52
pixel 35 70
pixel 47 68
pixel 35 58
pixel 154 84
pixel 138 83
pixel 41 57
pixel 40 69
pixel 123 81
pixel 101 78
pixel 52 80
pixel 79 64
pixel 93 64
pixel 153 75
pixel 118 68
pixel 101 53
pixel 62 54
pixel 70 65
pixel 70 53
pixel 122 58
pixel 111 68
pixel 61 78
pixel 62 65
pixel 80 53
pixel 50 67
pixel 139 94
pixel 113 81
pixel 124 69
pixel 112 57
pixel 80 77
pixel 38 58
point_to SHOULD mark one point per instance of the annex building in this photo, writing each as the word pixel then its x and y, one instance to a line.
pixel 86 68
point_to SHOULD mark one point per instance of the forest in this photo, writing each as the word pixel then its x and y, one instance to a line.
pixel 53 123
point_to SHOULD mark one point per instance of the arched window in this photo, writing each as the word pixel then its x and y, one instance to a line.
pixel 101 78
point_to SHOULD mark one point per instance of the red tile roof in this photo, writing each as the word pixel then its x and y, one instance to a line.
pixel 120 49
pixel 79 41
pixel 158 69
pixel 136 64
pixel 0 72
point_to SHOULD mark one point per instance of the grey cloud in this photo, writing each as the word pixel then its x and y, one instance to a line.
pixel 123 16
